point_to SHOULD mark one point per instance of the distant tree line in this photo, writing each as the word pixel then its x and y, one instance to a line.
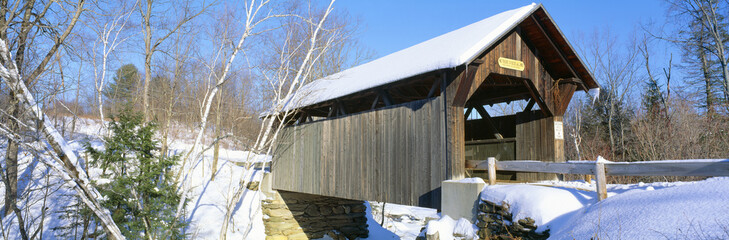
pixel 645 111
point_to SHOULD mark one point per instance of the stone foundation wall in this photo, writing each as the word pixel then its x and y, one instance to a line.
pixel 289 215
pixel 495 222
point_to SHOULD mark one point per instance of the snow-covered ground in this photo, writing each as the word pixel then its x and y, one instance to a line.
pixel 406 222
pixel 205 209
pixel 569 210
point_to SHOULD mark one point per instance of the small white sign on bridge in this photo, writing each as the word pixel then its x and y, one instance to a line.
pixel 558 132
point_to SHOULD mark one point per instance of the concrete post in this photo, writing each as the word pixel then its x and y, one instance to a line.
pixel 460 198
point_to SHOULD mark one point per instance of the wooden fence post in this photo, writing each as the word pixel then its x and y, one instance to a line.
pixel 600 180
pixel 492 171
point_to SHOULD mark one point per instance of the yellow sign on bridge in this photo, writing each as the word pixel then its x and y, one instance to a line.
pixel 511 64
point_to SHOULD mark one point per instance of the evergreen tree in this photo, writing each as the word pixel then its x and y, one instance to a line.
pixel 138 185
pixel 123 86
pixel 609 110
pixel 653 101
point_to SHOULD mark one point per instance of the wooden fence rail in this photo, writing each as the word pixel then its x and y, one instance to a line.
pixel 703 168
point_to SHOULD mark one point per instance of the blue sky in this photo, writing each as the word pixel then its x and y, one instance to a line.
pixel 389 26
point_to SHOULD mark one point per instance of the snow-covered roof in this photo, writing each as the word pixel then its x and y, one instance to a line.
pixel 449 50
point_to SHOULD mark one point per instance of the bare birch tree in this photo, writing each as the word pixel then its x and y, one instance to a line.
pixel 256 13
pixel 108 38
pixel 285 86
pixel 66 162
pixel 28 22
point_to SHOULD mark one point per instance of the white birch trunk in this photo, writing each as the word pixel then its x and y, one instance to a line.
pixel 66 161
pixel 114 27
pixel 265 133
pixel 252 10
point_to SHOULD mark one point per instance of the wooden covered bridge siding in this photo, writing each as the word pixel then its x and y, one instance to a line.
pixel 393 155
pixel 401 153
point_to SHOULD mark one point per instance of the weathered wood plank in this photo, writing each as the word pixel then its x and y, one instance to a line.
pixel 535 166
pixel 705 168
pixel 491 165
pixel 601 181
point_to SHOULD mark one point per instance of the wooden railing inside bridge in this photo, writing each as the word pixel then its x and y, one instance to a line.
pixel 701 168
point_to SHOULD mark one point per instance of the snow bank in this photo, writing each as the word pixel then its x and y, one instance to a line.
pixel 468 180
pixel 443 227
pixel 543 204
pixel 404 221
pixel 376 231
pixel 687 211
pixel 447 228
pixel 676 210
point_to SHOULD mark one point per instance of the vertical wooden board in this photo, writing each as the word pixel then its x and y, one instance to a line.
pixel 404 159
pixel 392 156
pixel 295 158
pixel 517 52
pixel 300 155
pixel 397 155
pixel 436 128
pixel 436 142
pixel 359 170
pixel 405 166
pixel 416 158
pixel 325 128
pixel 335 156
pixel 298 159
pixel 413 168
pixel 431 147
pixel 456 138
pixel 395 161
pixel 317 156
pixel 354 158
pixel 344 157
pixel 332 157
pixel 420 140
pixel 391 159
pixel 372 167
pixel 357 146
pixel 388 159
pixel 326 147
pixel 311 160
pixel 367 151
pixel 323 157
pixel 444 155
pixel 381 169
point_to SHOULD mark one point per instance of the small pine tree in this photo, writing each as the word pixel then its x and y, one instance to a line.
pixel 139 188
pixel 653 99
pixel 121 89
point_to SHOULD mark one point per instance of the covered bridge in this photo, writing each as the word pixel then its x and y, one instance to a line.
pixel 394 128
